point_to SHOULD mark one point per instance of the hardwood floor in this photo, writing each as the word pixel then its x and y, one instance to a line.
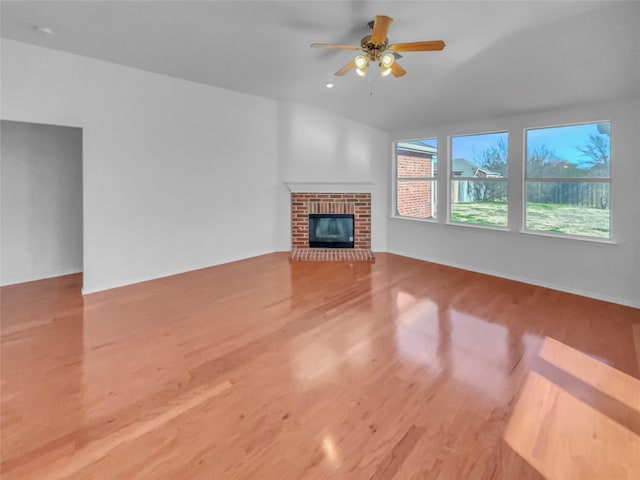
pixel 275 370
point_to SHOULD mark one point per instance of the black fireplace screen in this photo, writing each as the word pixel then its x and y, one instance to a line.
pixel 331 230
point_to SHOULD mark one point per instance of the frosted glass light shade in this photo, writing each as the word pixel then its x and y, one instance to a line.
pixel 361 62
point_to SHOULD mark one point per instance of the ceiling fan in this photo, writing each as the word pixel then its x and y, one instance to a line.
pixel 376 48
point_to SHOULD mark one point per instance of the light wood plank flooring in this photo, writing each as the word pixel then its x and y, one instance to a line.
pixel 271 369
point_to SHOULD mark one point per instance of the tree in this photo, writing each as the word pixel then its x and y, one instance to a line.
pixel 537 159
pixel 493 159
pixel 542 161
pixel 597 152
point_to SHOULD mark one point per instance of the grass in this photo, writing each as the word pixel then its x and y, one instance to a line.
pixel 480 213
pixel 542 217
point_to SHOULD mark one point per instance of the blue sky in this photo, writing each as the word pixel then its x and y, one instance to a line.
pixel 563 140
pixel 471 146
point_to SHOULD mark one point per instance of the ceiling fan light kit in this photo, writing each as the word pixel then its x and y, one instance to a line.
pixel 387 60
pixel 376 48
pixel 362 65
pixel 385 64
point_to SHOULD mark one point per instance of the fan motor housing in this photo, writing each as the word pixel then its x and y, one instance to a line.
pixel 373 49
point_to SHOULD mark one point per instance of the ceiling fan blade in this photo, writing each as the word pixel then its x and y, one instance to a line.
pixel 346 68
pixel 380 28
pixel 417 46
pixel 397 70
pixel 331 45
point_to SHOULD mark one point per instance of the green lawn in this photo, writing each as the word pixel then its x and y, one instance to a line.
pixel 480 213
pixel 544 217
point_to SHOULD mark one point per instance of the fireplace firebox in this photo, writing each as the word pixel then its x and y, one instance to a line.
pixel 330 230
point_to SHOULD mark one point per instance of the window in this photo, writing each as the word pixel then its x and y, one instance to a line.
pixel 479 180
pixel 568 180
pixel 416 168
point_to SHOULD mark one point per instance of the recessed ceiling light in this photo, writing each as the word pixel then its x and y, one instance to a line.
pixel 43 29
pixel 330 85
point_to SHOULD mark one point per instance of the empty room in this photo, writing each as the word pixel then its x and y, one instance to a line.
pixel 320 240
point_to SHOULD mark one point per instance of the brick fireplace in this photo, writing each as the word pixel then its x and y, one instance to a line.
pixel 356 203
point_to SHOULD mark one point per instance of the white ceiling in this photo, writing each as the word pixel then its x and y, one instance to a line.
pixel 501 57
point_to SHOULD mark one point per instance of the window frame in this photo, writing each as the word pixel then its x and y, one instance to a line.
pixel 433 179
pixel 451 178
pixel 526 179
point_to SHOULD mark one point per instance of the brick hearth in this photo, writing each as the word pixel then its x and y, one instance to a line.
pixel 332 254
pixel 358 204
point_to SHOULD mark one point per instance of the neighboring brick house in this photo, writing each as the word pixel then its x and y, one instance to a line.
pixel 416 171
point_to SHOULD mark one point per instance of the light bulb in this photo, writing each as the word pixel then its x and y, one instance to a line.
pixel 361 62
pixel 387 60
pixel 384 71
pixel 362 72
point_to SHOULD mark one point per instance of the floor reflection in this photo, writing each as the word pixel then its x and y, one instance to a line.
pixel 318 359
pixel 467 348
pixel 581 425
pixel 593 372
pixel 417 331
pixel 330 451
pixel 349 280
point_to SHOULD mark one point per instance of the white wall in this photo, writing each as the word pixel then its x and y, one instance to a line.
pixel 177 175
pixel 605 271
pixel 41 220
pixel 163 160
pixel 320 147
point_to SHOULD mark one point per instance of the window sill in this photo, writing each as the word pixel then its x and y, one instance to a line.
pixel 604 241
pixel 478 226
pixel 414 219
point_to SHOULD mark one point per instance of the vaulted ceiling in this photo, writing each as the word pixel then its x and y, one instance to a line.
pixel 500 57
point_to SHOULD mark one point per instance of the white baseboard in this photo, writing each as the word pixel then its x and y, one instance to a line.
pixel 552 286
pixel 133 281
